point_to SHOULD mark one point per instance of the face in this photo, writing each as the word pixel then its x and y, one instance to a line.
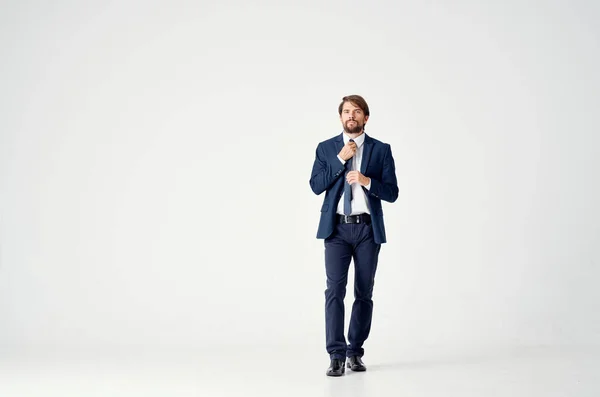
pixel 353 119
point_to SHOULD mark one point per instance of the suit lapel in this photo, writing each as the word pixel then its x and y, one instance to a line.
pixel 339 143
pixel 368 147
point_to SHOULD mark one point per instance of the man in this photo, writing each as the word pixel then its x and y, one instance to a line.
pixel 356 172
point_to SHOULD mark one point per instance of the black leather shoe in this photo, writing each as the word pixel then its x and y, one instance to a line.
pixel 355 364
pixel 336 368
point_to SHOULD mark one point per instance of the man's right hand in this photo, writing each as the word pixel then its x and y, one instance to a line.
pixel 348 151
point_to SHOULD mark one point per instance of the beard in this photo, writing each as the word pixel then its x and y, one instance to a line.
pixel 353 130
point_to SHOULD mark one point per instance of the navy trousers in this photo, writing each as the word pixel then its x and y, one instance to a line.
pixel 347 242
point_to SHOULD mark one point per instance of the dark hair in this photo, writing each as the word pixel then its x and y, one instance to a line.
pixel 356 100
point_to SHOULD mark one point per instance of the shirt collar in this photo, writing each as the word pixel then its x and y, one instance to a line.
pixel 359 140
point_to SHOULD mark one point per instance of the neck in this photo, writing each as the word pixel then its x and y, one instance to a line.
pixel 354 135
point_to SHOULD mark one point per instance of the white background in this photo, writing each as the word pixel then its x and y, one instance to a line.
pixel 155 158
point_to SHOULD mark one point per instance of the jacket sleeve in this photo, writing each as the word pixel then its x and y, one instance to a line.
pixel 325 171
pixel 387 188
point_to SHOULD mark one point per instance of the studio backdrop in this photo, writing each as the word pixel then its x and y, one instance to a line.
pixel 155 159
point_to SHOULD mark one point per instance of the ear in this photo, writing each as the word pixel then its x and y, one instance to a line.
pixel 366 118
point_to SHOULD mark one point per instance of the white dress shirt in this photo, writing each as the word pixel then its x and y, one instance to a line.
pixel 359 201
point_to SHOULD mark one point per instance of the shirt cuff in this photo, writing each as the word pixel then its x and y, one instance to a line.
pixel 369 185
pixel 339 158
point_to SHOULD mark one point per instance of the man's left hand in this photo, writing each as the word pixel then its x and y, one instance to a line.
pixel 356 176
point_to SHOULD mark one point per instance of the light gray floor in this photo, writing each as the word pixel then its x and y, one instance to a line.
pixel 276 371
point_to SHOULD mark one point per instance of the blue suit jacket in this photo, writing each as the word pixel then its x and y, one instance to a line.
pixel 328 176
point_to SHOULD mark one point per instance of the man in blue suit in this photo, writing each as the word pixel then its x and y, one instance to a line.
pixel 356 172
